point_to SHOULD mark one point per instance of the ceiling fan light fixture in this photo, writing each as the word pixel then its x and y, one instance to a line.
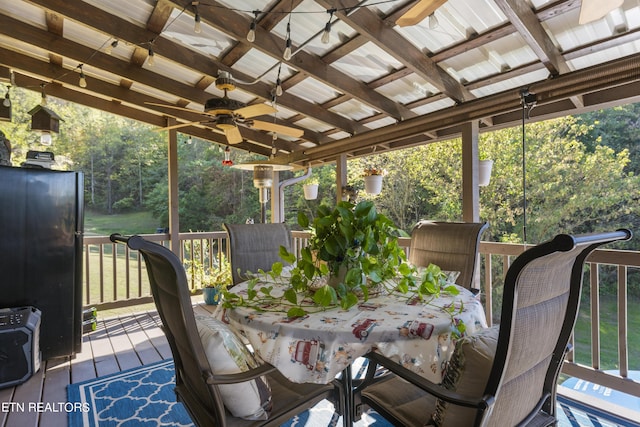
pixel 225 81
pixel 225 122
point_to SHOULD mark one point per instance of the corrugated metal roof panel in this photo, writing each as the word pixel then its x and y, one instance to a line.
pixel 367 63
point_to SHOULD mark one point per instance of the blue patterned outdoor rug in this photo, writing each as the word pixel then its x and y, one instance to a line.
pixel 144 396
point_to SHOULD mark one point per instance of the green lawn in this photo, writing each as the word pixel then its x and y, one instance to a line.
pixel 608 334
pixel 126 223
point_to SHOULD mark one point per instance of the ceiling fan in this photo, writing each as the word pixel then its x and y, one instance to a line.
pixel 226 113
pixel 590 10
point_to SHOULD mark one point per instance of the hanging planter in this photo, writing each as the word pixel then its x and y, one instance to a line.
pixel 310 191
pixel 484 172
pixel 373 180
pixel 373 184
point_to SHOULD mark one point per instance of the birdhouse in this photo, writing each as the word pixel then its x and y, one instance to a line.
pixel 44 120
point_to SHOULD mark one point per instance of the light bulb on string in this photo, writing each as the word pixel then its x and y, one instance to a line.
pixel 287 49
pixel 83 79
pixel 7 100
pixel 433 21
pixel 197 26
pixel 326 34
pixel 151 62
pixel 251 35
pixel 110 47
pixel 279 90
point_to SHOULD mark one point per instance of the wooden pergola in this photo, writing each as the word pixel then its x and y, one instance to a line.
pixel 375 85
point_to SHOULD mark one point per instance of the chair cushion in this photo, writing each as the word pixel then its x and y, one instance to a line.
pixel 467 373
pixel 227 354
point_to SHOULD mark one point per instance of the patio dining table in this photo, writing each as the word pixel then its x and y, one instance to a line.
pixel 319 346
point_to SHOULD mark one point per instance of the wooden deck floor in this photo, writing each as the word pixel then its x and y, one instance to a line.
pixel 120 342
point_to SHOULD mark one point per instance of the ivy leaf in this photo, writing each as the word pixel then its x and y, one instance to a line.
pixel 294 312
pixel 325 296
pixel 291 296
pixel 349 300
pixel 286 255
pixel 451 289
pixel 309 270
pixel 276 268
pixel 303 221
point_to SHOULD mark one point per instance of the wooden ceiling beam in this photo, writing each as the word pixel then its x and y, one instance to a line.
pixel 123 30
pixel 553 99
pixel 529 27
pixel 377 31
pixel 235 25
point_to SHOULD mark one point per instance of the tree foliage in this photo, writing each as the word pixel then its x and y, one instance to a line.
pixel 581 174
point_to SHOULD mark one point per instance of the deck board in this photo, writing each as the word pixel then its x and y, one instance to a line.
pixel 119 343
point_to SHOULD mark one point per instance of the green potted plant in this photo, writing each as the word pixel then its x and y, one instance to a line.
pixel 213 281
pixel 353 251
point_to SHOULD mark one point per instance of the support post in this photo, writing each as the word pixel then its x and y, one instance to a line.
pixel 341 175
pixel 174 216
pixel 470 172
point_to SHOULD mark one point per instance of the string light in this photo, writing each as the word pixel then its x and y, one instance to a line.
pixel 279 90
pixel 326 34
pixel 251 35
pixel 83 79
pixel 110 47
pixel 197 27
pixel 433 21
pixel 7 99
pixel 151 62
pixel 287 49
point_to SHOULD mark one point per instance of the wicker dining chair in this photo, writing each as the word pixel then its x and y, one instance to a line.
pixel 453 246
pixel 504 375
pixel 197 386
pixel 255 247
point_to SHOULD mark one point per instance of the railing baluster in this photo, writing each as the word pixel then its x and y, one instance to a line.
pixel 595 315
pixel 215 245
pixel 623 350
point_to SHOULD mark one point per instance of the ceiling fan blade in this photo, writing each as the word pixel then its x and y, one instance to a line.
pixel 592 10
pixel 273 127
pixel 180 125
pixel 233 134
pixel 255 110
pixel 419 11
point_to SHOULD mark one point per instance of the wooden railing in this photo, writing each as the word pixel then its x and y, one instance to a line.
pixel 122 280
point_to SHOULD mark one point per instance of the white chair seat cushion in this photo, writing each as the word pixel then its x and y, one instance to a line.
pixel 467 373
pixel 250 400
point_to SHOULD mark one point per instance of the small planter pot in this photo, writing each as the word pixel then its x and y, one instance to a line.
pixel 373 184
pixel 310 191
pixel 211 296
pixel 484 172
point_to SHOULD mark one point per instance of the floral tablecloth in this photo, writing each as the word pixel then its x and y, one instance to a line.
pixel 317 347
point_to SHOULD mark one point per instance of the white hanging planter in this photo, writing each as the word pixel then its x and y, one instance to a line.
pixel 373 184
pixel 310 191
pixel 484 172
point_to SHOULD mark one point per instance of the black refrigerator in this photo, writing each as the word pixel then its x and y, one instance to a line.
pixel 41 226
